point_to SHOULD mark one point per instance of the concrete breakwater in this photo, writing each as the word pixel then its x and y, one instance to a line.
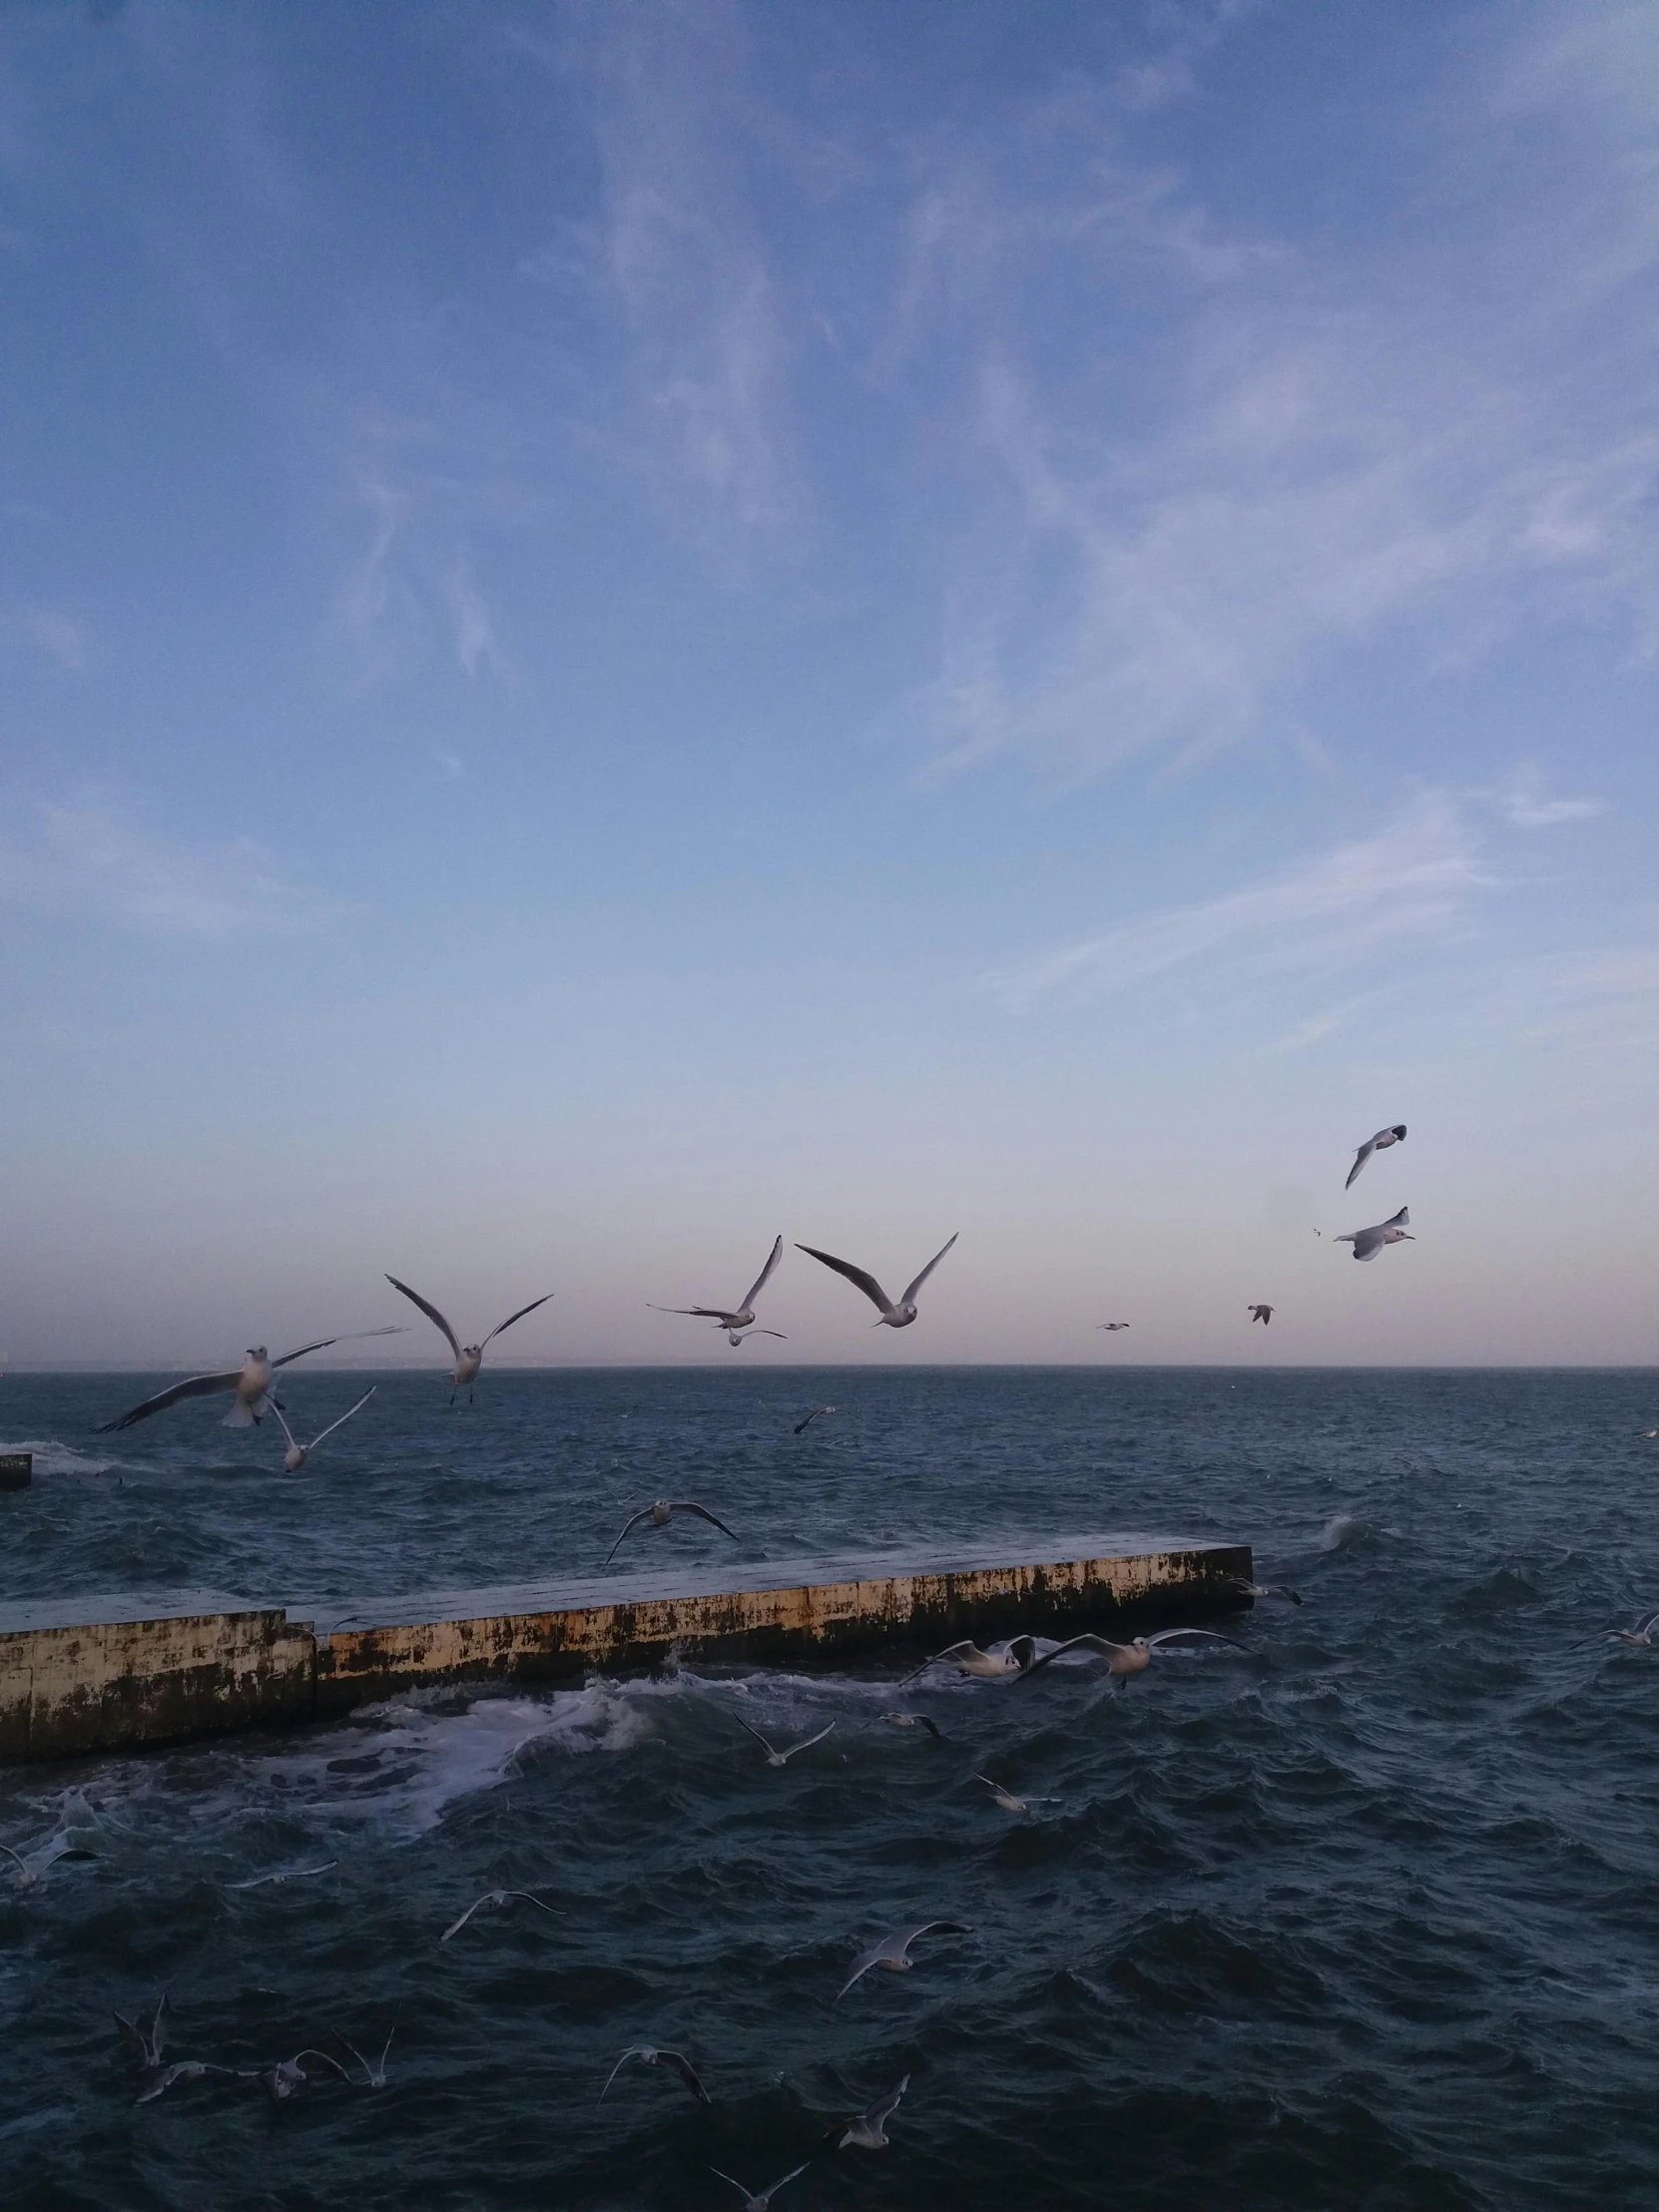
pixel 104 1674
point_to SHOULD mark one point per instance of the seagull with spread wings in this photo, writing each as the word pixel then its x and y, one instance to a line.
pixel 740 1317
pixel 1133 1657
pixel 896 1314
pixel 250 1382
pixel 1380 1143
pixel 675 2061
pixel 1368 1242
pixel 468 1358
pixel 893 1952
pixel 776 1758
pixel 297 1454
pixel 661 1512
pixel 867 2130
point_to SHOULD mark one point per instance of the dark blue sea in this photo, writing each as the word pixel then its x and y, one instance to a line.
pixel 1364 1916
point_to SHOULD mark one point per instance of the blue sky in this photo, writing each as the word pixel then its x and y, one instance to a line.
pixel 625 628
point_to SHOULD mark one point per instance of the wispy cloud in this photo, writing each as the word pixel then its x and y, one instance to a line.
pixel 475 645
pixel 1412 881
pixel 1526 806
pixel 83 861
pixel 48 631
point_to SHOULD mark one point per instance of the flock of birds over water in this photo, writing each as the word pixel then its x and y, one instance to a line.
pixel 1019 1658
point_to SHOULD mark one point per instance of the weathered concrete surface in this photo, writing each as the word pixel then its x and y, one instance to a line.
pixel 69 1683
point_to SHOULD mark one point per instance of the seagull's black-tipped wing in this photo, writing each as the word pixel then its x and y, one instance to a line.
pixel 686 1506
pixel 199 1386
pixel 1215 1636
pixel 703 1313
pixel 428 1309
pixel 683 2066
pixel 1101 1644
pixel 859 1276
pixel 644 1514
pixel 1360 1158
pixel 519 1316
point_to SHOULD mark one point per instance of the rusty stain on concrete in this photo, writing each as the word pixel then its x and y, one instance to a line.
pixel 70 1685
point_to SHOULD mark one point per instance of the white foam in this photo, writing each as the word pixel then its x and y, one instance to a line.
pixel 52 1458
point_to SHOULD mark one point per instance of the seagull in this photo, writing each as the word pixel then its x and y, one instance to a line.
pixel 468 1358
pixel 1016 1656
pixel 1006 1799
pixel 250 1382
pixel 867 2130
pixel 893 1952
pixel 1135 1656
pixel 1109 1326
pixel 160 2080
pixel 758 2200
pixel 775 1758
pixel 297 1455
pixel 26 1875
pixel 1266 1589
pixel 283 1874
pixel 736 1337
pixel 491 1898
pixel 1641 1634
pixel 812 1416
pixel 908 1720
pixel 743 1317
pixel 1368 1242
pixel 146 2044
pixel 894 1316
pixel 1380 1143
pixel 1263 1314
pixel 374 2076
pixel 661 1513
pixel 674 2060
pixel 285 2078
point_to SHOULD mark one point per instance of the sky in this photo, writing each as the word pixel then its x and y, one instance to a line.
pixel 628 627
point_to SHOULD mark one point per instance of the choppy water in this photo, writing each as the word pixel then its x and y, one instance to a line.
pixel 1369 1918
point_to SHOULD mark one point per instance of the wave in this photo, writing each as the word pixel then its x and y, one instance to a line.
pixel 52 1458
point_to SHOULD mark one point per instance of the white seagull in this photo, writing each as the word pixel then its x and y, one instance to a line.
pixel 297 1454
pixel 758 2200
pixel 674 2060
pixel 661 1512
pixel 250 1382
pixel 867 2131
pixel 1641 1634
pixel 908 1720
pixel 285 2078
pixel 468 1358
pixel 489 1900
pixel 1133 1657
pixel 282 1873
pixel 1017 1656
pixel 894 1316
pixel 893 1952
pixel 1380 1143
pixel 1007 1800
pixel 1266 1589
pixel 812 1416
pixel 776 1758
pixel 742 1315
pixel 1368 1242
pixel 374 2076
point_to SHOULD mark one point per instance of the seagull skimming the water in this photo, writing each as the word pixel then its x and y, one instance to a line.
pixel 776 1758
pixel 250 1382
pixel 1266 1589
pixel 285 2078
pixel 1133 1657
pixel 1380 1143
pixel 758 2200
pixel 1368 1242
pixel 297 1454
pixel 1007 1800
pixel 894 1316
pixel 908 1720
pixel 1017 1656
pixel 742 1315
pixel 489 1900
pixel 676 2062
pixel 867 2130
pixel 1641 1634
pixel 468 1358
pixel 660 1513
pixel 812 1416
pixel 893 1952
pixel 374 2076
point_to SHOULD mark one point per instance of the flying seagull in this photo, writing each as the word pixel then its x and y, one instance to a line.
pixel 285 2078
pixel 743 1317
pixel 1136 1655
pixel 1266 1589
pixel 867 2131
pixel 374 2076
pixel 1368 1242
pixel 156 2081
pixel 1110 1325
pixel 1380 1143
pixel 908 1720
pixel 776 1758
pixel 1016 1656
pixel 251 1384
pixel 893 1952
pixel 756 2200
pixel 1641 1634
pixel 812 1416
pixel 491 1898
pixel 675 2062
pixel 661 1513
pixel 297 1455
pixel 283 1874
pixel 26 1875
pixel 1263 1314
pixel 894 1316
pixel 1007 1800
pixel 468 1358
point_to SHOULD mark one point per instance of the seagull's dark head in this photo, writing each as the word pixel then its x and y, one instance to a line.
pixel 258 1351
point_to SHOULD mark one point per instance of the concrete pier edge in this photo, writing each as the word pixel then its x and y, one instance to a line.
pixel 148 1675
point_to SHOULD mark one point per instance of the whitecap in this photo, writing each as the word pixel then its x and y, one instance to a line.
pixel 52 1458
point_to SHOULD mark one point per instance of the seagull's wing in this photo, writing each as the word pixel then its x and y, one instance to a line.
pixel 1022 1650
pixel 1168 1635
pixel 856 1276
pixel 687 2071
pixel 333 2063
pixel 703 1313
pixel 765 2196
pixel 763 1333
pixel 333 1424
pixel 863 1963
pixel 632 2051
pixel 25 1870
pixel 519 1316
pixel 351 1337
pixel 1398 1220
pixel 879 2114
pixel 319 1344
pixel 910 1294
pixel 935 1928
pixel 808 1742
pixel 186 2069
pixel 1645 1624
pixel 755 1733
pixel 762 1279
pixel 430 1312
pixel 525 1897
pixel 1101 1644
pixel 199 1386
pixel 746 2194
pixel 491 1896
pixel 687 1505
pixel 644 1514
pixel 951 1651
pixel 281 1423
pixel 1360 1158
pixel 158 2026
